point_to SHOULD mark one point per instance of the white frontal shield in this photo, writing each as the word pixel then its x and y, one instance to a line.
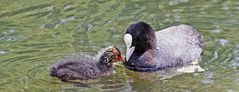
pixel 129 48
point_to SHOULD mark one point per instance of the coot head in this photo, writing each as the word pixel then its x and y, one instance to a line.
pixel 110 55
pixel 139 37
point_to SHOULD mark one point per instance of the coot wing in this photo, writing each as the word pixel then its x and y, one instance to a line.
pixel 178 45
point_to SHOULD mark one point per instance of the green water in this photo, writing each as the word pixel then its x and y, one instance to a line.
pixel 36 33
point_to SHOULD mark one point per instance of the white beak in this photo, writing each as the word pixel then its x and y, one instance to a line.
pixel 129 47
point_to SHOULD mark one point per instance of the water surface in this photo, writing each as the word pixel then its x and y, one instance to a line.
pixel 37 33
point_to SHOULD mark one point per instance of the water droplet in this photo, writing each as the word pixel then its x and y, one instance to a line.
pixel 110 21
pixel 90 26
pixel 67 19
pixel 216 30
pixel 223 42
pixel 67 6
pixel 3 52
pixel 48 8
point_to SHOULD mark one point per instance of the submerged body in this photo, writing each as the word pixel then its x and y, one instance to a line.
pixel 175 46
pixel 82 67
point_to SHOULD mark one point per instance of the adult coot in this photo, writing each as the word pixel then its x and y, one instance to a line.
pixel 176 46
pixel 84 67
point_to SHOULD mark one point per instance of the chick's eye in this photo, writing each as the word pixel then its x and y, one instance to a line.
pixel 113 57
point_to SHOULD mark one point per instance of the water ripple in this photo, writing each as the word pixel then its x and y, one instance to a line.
pixel 235 63
pixel 208 78
pixel 3 52
pixel 15 12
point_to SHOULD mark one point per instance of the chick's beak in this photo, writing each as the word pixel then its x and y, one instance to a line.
pixel 118 57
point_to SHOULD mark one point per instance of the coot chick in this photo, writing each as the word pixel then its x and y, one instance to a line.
pixel 82 67
pixel 175 46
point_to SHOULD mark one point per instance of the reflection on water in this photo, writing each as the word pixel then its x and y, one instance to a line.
pixel 36 33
